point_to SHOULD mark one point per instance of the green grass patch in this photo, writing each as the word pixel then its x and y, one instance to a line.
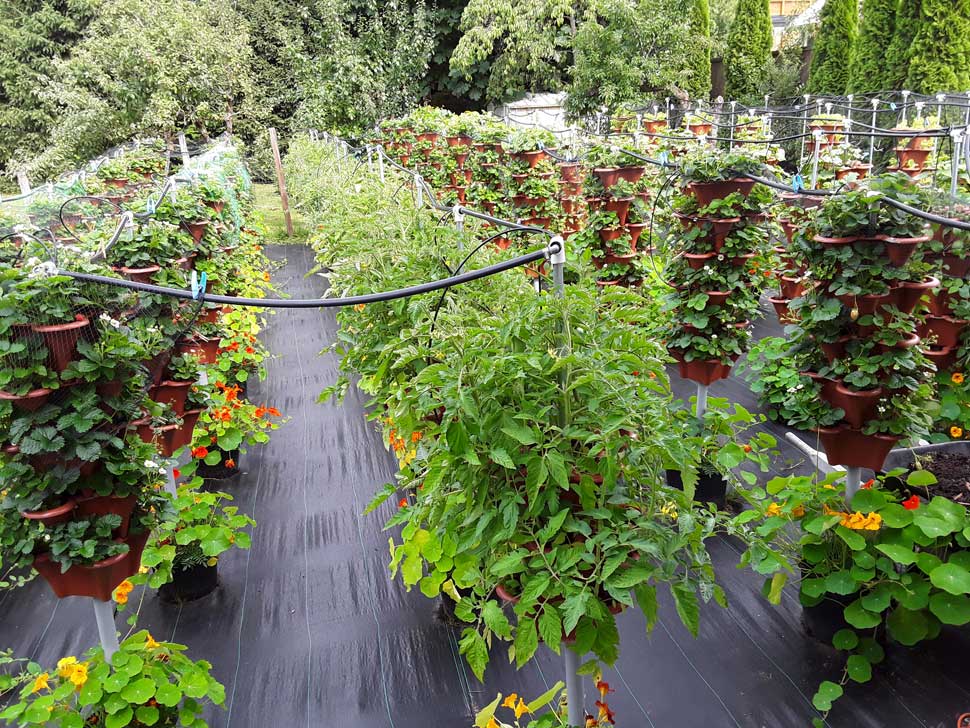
pixel 271 209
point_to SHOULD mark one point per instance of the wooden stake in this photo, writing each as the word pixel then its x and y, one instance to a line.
pixel 284 198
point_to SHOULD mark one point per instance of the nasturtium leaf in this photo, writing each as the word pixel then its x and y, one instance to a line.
pixel 139 691
pixel 859 668
pixel 867 501
pixel 840 582
pixel 852 539
pixel 920 478
pixel 899 554
pixel 950 609
pixel 827 692
pixel 951 578
pixel 859 617
pixel 907 626
pixel 895 516
pixel 845 639
pixel 878 598
pixel 119 719
pixel 871 650
pixel 146 715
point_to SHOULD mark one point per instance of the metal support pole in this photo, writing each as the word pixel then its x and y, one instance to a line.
pixel 903 110
pixel 817 134
pixel 957 136
pixel 380 163
pixel 853 479
pixel 558 261
pixel 734 122
pixel 170 486
pixel 574 690
pixel 966 116
pixel 872 135
pixel 849 114
pixel 419 189
pixel 701 408
pixel 104 614
pixel 459 225
pixel 801 154
pixel 370 160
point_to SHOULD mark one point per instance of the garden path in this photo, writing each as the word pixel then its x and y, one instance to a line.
pixel 307 628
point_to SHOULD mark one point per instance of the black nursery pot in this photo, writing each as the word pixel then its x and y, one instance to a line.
pixel 220 471
pixel 710 488
pixel 190 584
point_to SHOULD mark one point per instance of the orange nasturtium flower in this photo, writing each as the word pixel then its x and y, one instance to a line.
pixel 41 683
pixel 956 378
pixel 956 431
pixel 199 452
pixel 230 463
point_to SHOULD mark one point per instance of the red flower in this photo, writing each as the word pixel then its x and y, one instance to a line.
pixel 176 474
pixel 868 484
pixel 636 373
pixel 199 452
pixel 911 503
pixel 250 350
pixel 273 411
pixel 402 503
pixel 230 463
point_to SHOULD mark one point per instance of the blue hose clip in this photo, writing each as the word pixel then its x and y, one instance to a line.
pixel 797 183
pixel 198 285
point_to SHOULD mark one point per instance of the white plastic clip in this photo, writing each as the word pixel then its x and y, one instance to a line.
pixel 557 257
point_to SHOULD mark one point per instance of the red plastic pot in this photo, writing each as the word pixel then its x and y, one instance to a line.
pixel 571 189
pixel 459 140
pixel 946 329
pixel 428 136
pixel 205 350
pixel 827 385
pixel 98 580
pixel 906 295
pixel 216 206
pixel 859 407
pixel 608 176
pixel 654 126
pixel 956 265
pixel 899 250
pixel 823 240
pixel 788 227
pixel 632 174
pixel 861 170
pixel 707 192
pixel 620 259
pixel 570 172
pixel 61 340
pixel 916 156
pixel 172 393
pixel 52 516
pixel 542 222
pixel 700 129
pixel 138 275
pixel 570 206
pixel 942 358
pixel 103 505
pixel 908 343
pixel 533 158
pixel 717 298
pixel 844 445
pixel 701 371
pixel 182 435
pixel 636 230
pixel 833 350
pixel 595 204
pixel 720 228
pixel 609 234
pixel 781 305
pixel 620 206
pixel 698 260
pixel 30 402
pixel 196 229
pixel 791 288
pixel 940 304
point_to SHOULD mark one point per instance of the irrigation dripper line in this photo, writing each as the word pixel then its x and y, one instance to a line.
pixel 544 253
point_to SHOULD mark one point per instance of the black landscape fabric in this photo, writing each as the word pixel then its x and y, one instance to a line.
pixel 307 628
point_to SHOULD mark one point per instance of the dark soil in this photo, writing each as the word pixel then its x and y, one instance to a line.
pixel 952 471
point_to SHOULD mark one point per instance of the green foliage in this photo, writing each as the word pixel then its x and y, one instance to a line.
pixel 698 40
pixel 635 49
pixel 901 47
pixel 748 49
pixel 869 69
pixel 834 47
pixel 372 66
pixel 527 44
pixel 192 72
pixel 941 49
pixel 33 35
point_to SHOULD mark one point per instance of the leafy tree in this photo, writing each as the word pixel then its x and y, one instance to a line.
pixel 150 69
pixel 901 47
pixel 527 42
pixel 699 56
pixel 834 44
pixel 941 48
pixel 632 50
pixel 33 34
pixel 748 49
pixel 868 70
pixel 374 65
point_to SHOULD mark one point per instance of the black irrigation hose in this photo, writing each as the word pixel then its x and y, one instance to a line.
pixel 328 302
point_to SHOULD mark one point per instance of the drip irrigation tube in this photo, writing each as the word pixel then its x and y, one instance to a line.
pixel 552 248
